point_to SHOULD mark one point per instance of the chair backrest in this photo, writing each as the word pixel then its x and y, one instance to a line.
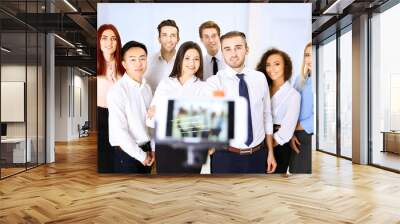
pixel 86 125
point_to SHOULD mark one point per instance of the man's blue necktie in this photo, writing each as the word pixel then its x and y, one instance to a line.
pixel 244 92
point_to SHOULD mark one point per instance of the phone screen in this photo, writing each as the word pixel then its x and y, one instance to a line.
pixel 211 120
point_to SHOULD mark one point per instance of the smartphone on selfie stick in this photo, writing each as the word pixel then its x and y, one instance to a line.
pixel 200 123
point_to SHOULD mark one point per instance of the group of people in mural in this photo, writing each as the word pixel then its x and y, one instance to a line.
pixel 131 85
pixel 203 123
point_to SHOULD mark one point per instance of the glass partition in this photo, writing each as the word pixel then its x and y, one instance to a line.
pixel 385 89
pixel 327 96
pixel 22 77
pixel 13 109
pixel 346 93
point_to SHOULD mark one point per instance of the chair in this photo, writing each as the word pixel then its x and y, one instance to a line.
pixel 84 130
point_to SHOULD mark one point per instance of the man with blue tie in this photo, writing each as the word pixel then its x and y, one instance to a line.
pixel 236 80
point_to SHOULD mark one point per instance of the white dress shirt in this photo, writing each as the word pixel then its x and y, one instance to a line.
pixel 172 88
pixel 128 102
pixel 260 103
pixel 285 112
pixel 158 69
pixel 208 64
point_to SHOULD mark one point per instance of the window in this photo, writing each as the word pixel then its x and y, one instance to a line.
pixel 22 77
pixel 327 96
pixel 385 89
pixel 346 93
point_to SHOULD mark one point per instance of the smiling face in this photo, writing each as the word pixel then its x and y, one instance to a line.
pixel 210 39
pixel 135 62
pixel 234 50
pixel 168 38
pixel 275 67
pixel 108 42
pixel 191 62
pixel 308 58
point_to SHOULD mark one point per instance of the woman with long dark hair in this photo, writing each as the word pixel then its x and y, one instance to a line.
pixel 109 71
pixel 285 103
pixel 185 80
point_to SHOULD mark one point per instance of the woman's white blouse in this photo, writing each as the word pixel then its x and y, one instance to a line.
pixel 285 105
pixel 172 88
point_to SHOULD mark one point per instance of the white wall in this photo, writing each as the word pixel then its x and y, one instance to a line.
pixel 61 103
pixel 71 93
pixel 285 26
pixel 80 102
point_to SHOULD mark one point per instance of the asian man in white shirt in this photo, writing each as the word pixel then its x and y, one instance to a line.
pixel 128 101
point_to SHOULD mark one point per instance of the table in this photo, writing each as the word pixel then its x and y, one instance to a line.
pixel 13 150
pixel 391 141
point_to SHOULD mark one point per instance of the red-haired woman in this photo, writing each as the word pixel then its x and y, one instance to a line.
pixel 109 70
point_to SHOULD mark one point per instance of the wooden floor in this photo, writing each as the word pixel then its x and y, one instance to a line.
pixel 10 171
pixel 387 159
pixel 71 191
